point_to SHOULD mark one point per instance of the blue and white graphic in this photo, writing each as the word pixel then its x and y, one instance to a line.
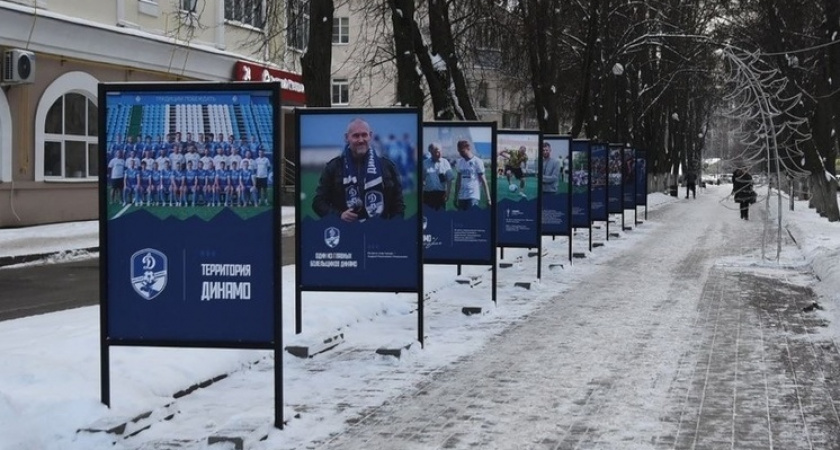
pixel 599 160
pixel 358 204
pixel 629 178
pixel 581 181
pixel 614 180
pixel 460 224
pixel 332 236
pixel 641 178
pixel 518 204
pixel 201 261
pixel 557 199
pixel 149 272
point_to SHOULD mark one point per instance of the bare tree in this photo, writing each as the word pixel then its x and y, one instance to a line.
pixel 317 61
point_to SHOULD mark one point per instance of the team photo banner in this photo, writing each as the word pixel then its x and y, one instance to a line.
pixel 629 178
pixel 518 183
pixel 599 155
pixel 557 187
pixel 581 170
pixel 641 178
pixel 458 178
pixel 358 204
pixel 614 179
pixel 188 217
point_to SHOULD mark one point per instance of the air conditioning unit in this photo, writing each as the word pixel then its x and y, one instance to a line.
pixel 18 66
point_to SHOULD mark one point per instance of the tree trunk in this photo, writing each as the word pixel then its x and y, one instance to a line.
pixel 443 45
pixel 409 92
pixel 436 80
pixel 542 62
pixel 582 105
pixel 316 62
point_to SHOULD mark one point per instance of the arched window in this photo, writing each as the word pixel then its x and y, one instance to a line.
pixel 5 139
pixel 67 130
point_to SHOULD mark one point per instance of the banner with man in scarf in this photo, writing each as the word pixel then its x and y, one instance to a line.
pixel 358 220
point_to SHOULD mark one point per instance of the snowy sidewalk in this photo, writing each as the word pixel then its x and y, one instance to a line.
pixel 676 344
pixel 672 335
pixel 755 377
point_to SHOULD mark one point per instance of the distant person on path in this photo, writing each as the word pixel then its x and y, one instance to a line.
pixel 691 184
pixel 742 190
pixel 437 178
pixel 359 184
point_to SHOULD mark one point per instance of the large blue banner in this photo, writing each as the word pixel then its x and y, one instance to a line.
pixel 518 189
pixel 458 178
pixel 359 200
pixel 556 202
pixel 581 170
pixel 641 178
pixel 629 178
pixel 614 180
pixel 599 156
pixel 190 254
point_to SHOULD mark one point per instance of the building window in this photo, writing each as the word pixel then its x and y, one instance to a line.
pixel 188 5
pixel 511 120
pixel 341 30
pixel 340 91
pixel 246 12
pixel 148 7
pixel 71 138
pixel 297 24
pixel 483 95
pixel 487 44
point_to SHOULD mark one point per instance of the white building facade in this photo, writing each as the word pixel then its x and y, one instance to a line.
pixel 49 164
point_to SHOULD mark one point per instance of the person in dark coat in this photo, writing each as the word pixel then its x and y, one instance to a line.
pixel 742 190
pixel 691 184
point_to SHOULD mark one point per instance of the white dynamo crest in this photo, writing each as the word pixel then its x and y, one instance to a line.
pixel 149 269
pixel 332 236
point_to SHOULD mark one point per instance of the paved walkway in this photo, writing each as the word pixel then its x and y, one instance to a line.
pixel 757 377
pixel 677 349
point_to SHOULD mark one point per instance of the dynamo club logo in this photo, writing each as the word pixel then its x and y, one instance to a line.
pixel 331 237
pixel 149 269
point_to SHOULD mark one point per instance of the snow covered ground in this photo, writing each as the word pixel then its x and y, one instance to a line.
pixel 50 384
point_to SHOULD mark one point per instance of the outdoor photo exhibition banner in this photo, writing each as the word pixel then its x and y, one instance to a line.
pixel 641 178
pixel 614 186
pixel 581 169
pixel 629 178
pixel 358 207
pixel 556 195
pixel 599 155
pixel 189 221
pixel 458 183
pixel 518 189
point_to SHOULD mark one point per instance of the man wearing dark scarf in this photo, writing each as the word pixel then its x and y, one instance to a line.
pixel 359 184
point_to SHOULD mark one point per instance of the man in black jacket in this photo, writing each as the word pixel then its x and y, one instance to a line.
pixel 359 184
pixel 691 184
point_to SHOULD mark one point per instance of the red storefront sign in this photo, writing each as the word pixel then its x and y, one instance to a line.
pixel 290 83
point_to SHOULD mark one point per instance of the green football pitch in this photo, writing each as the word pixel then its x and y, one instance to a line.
pixel 183 212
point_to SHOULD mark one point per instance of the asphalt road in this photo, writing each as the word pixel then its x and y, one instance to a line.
pixel 40 289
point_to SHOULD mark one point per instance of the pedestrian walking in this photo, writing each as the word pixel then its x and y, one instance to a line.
pixel 742 190
pixel 691 185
